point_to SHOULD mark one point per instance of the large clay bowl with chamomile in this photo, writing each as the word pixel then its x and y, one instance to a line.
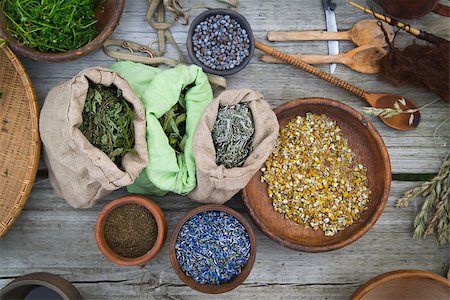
pixel 370 151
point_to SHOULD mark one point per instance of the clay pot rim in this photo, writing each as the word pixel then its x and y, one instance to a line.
pixel 161 222
pixel 213 288
pixel 386 277
pixel 42 279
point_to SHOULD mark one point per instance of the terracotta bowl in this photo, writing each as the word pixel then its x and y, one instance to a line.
pixel 405 284
pixel 212 288
pixel 21 286
pixel 160 221
pixel 107 12
pixel 370 150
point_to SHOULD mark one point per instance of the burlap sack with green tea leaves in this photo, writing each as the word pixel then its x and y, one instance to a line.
pixel 79 172
pixel 167 170
pixel 217 184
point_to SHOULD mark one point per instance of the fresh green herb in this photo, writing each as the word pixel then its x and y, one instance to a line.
pixel 51 25
pixel 233 135
pixel 173 123
pixel 1 94
pixel 434 214
pixel 108 121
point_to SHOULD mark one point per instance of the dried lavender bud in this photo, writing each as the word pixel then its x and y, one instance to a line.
pixel 212 247
pixel 220 42
pixel 233 135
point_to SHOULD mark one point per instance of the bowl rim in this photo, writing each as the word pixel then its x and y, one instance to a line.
pixel 386 277
pixel 241 20
pixel 213 288
pixel 157 213
pixel 72 54
pixel 53 282
pixel 386 183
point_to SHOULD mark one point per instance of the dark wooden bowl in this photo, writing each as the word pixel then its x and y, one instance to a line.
pixel 407 9
pixel 107 12
pixel 405 284
pixel 213 288
pixel 370 150
pixel 160 219
pixel 244 24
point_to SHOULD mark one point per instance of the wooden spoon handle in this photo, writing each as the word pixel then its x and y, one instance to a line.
pixel 283 36
pixel 312 70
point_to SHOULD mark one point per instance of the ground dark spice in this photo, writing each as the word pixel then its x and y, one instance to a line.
pixel 130 230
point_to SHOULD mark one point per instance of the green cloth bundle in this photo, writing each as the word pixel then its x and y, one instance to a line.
pixel 159 90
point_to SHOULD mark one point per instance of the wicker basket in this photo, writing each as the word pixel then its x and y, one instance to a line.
pixel 19 137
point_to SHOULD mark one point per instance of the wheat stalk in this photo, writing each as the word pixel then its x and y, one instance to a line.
pixel 389 112
pixel 434 214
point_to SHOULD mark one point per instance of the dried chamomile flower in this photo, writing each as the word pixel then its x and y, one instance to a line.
pixel 313 176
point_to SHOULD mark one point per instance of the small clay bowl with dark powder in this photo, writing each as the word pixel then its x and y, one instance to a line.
pixel 131 230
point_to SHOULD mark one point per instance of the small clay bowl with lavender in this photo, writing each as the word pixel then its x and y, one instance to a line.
pixel 220 41
pixel 242 224
pixel 131 230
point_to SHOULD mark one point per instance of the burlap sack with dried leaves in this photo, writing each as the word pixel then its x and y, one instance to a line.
pixel 217 184
pixel 79 172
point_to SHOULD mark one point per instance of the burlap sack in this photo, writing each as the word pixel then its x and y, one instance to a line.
pixel 216 184
pixel 79 172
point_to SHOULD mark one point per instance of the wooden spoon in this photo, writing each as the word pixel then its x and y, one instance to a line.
pixel 363 59
pixel 402 121
pixel 365 32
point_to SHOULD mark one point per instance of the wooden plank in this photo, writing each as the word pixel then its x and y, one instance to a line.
pixel 51 236
pixel 411 152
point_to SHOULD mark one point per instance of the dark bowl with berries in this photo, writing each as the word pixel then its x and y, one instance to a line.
pixel 220 41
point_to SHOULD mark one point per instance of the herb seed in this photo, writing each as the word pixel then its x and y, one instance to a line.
pixel 130 230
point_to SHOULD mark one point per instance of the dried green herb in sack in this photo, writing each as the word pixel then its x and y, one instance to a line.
pixel 173 123
pixel 51 25
pixel 108 121
pixel 233 135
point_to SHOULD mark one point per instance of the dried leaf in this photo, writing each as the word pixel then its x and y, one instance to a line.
pixel 108 121
pixel 173 123
pixel 411 119
pixel 402 101
pixel 233 135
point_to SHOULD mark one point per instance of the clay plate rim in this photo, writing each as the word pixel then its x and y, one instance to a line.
pixel 386 277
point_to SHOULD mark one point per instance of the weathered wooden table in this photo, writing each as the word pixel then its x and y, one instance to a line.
pixel 50 236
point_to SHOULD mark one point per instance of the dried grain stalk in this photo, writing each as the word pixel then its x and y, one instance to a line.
pixel 434 214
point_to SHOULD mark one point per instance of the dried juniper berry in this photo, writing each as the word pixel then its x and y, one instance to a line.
pixel 212 247
pixel 220 42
